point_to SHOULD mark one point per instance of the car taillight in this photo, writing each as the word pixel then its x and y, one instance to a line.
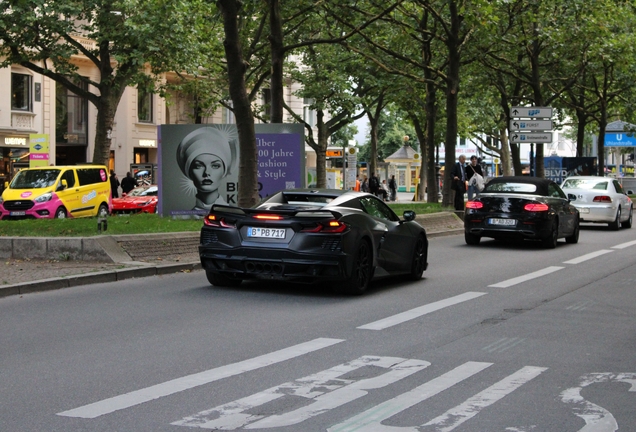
pixel 216 221
pixel 536 207
pixel 268 217
pixel 331 227
pixel 474 205
pixel 602 198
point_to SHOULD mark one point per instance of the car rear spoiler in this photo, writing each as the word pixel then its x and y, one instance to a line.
pixel 242 212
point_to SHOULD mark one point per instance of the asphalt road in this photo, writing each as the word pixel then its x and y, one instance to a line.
pixel 498 337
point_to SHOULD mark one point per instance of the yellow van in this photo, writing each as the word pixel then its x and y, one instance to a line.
pixel 57 192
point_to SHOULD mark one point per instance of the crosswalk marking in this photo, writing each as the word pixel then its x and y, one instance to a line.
pixel 589 256
pixel 325 388
pixel 420 311
pixel 137 397
pixel 503 344
pixel 370 420
pixel 472 406
pixel 514 281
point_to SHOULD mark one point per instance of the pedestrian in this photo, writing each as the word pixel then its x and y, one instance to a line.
pixel 383 192
pixel 392 188
pixel 114 184
pixel 357 186
pixel 364 187
pixel 458 175
pixel 473 168
pixel 374 184
pixel 128 183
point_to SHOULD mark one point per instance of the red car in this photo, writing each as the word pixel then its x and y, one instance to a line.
pixel 142 199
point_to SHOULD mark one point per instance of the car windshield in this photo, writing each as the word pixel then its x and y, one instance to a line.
pixel 35 179
pixel 144 191
pixel 511 187
pixel 599 184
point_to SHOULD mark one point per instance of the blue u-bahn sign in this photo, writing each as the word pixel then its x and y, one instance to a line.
pixel 620 139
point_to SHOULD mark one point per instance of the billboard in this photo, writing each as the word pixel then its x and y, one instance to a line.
pixel 198 165
pixel 559 168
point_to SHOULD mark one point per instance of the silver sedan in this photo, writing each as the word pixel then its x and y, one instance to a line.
pixel 600 200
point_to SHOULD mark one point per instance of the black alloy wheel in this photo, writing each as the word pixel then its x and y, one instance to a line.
pixel 102 211
pixel 219 280
pixel 628 222
pixel 616 223
pixel 550 242
pixel 362 271
pixel 418 260
pixel 471 239
pixel 574 238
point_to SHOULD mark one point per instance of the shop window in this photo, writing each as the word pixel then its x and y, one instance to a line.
pixel 144 106
pixel 21 96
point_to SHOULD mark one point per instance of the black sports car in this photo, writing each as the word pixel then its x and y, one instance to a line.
pixel 312 235
pixel 521 207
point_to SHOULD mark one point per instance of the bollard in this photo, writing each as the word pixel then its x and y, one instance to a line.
pixel 102 222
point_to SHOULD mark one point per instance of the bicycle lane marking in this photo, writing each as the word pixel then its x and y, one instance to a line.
pixel 137 397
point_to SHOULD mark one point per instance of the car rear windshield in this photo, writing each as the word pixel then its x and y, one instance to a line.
pixel 585 184
pixel 292 198
pixel 35 179
pixel 528 188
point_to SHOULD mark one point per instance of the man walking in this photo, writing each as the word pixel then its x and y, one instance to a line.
pixel 128 183
pixel 458 174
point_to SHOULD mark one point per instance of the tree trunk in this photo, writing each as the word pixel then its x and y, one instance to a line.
pixel 601 137
pixel 506 162
pixel 248 163
pixel 431 113
pixel 278 58
pixel 580 131
pixel 421 137
pixel 321 150
pixel 106 109
pixel 452 90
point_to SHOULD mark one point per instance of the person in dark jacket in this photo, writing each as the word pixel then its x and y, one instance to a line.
pixel 128 183
pixel 114 184
pixel 472 169
pixel 458 176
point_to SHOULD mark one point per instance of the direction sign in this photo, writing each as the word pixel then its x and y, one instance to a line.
pixel 537 137
pixel 531 112
pixel 531 125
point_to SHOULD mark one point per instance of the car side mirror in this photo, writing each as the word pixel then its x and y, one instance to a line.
pixel 409 215
pixel 571 197
pixel 63 185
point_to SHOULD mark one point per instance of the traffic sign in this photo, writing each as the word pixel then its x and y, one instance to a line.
pixel 537 137
pixel 531 125
pixel 531 112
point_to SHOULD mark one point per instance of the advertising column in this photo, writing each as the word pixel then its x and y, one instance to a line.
pixel 39 150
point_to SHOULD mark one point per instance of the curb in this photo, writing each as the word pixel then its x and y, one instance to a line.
pixel 96 277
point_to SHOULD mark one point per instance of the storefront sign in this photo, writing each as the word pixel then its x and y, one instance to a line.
pixel 147 143
pixel 15 141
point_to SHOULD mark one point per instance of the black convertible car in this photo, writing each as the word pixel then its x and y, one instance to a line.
pixel 344 238
pixel 524 208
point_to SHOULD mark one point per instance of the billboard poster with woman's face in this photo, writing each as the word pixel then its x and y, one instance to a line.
pixel 198 164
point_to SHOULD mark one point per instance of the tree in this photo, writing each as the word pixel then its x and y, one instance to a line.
pixel 130 42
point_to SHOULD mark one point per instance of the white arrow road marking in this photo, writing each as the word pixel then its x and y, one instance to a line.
pixel 137 397
pixel 597 418
pixel 419 311
pixel 624 245
pixel 469 409
pixel 326 389
pixel 370 420
pixel 588 256
pixel 527 277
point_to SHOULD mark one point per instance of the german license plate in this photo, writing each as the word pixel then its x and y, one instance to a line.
pixel 503 222
pixel 17 213
pixel 277 233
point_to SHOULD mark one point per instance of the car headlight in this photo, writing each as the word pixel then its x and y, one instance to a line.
pixel 44 198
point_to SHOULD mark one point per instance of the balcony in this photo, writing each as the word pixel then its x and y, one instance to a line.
pixel 23 121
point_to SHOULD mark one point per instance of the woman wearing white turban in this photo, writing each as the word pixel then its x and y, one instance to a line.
pixel 205 157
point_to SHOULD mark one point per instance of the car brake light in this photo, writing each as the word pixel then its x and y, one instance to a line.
pixel 536 207
pixel 474 205
pixel 602 198
pixel 331 227
pixel 268 217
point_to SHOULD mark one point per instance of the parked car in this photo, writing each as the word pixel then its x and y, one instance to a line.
pixel 600 200
pixel 341 238
pixel 522 208
pixel 142 199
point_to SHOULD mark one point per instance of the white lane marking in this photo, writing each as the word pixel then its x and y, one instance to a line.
pixel 419 311
pixel 597 418
pixel 137 397
pixel 588 256
pixel 371 420
pixel 527 277
pixel 624 245
pixel 325 388
pixel 473 406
